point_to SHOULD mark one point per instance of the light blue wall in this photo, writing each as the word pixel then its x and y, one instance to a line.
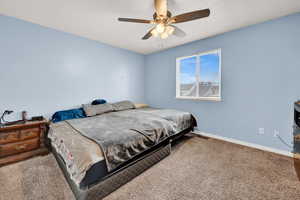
pixel 260 82
pixel 43 70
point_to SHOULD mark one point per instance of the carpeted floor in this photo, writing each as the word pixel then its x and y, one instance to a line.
pixel 198 168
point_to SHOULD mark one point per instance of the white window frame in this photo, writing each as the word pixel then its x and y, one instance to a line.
pixel 178 96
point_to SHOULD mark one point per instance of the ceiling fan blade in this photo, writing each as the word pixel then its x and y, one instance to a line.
pixel 178 32
pixel 144 21
pixel 161 7
pixel 148 35
pixel 190 16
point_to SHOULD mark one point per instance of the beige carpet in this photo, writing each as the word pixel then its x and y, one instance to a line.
pixel 198 168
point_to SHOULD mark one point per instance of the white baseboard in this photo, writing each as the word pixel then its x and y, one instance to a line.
pixel 256 146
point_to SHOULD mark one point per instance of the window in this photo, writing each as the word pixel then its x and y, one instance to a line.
pixel 199 76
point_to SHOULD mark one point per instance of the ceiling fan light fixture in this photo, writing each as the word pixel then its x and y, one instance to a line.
pixel 164 35
pixel 170 30
pixel 154 33
pixel 160 28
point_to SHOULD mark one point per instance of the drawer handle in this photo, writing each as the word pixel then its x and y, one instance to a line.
pixel 21 147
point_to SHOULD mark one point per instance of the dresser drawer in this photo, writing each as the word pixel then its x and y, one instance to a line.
pixel 18 147
pixel 9 137
pixel 16 136
pixel 29 133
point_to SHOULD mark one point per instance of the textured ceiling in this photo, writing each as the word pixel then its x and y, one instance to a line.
pixel 97 19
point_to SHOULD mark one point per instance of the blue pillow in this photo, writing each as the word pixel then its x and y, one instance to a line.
pixel 99 101
pixel 68 114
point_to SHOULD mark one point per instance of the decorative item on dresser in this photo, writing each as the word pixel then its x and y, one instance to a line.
pixel 21 141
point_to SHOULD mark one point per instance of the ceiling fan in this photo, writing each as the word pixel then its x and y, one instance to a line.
pixel 163 20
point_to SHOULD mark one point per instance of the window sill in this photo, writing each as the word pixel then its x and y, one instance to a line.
pixel 217 99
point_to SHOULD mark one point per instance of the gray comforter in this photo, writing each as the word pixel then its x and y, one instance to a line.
pixel 123 135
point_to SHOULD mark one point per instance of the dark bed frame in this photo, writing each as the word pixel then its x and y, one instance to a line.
pixel 124 173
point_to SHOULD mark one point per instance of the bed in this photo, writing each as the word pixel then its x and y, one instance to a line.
pixel 101 153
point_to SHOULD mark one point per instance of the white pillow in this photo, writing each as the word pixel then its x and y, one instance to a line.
pixel 92 110
pixel 123 105
pixel 141 105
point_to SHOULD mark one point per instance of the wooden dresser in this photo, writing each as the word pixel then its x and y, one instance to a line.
pixel 22 141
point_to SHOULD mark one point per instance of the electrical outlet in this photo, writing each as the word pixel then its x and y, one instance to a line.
pixel 276 133
pixel 261 131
